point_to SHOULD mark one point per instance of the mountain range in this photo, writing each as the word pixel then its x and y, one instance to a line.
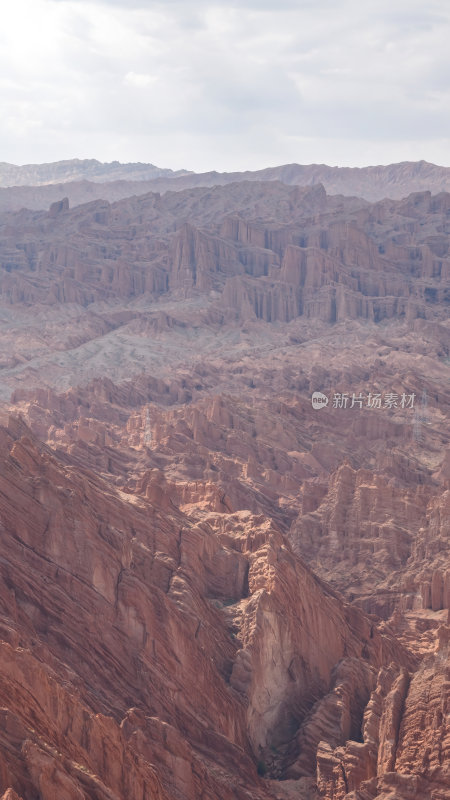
pixel 85 180
pixel 210 586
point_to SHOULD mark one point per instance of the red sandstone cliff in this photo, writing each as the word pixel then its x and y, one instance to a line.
pixel 142 638
pixel 208 588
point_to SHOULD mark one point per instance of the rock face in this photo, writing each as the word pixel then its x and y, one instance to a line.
pixel 209 588
pixel 143 638
pixel 364 526
pixel 405 739
pixel 320 257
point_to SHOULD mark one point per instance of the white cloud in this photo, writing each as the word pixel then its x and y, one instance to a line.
pixel 225 85
pixel 139 79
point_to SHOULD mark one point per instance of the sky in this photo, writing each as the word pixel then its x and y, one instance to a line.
pixel 190 84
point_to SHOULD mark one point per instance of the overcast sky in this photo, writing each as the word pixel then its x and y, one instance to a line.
pixel 236 85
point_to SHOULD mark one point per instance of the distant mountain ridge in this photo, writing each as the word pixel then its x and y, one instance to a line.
pixel 36 186
pixel 76 169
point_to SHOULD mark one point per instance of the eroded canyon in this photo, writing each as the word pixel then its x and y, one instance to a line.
pixel 209 588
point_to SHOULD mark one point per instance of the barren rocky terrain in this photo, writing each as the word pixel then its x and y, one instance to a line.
pixel 208 587
pixel 36 186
